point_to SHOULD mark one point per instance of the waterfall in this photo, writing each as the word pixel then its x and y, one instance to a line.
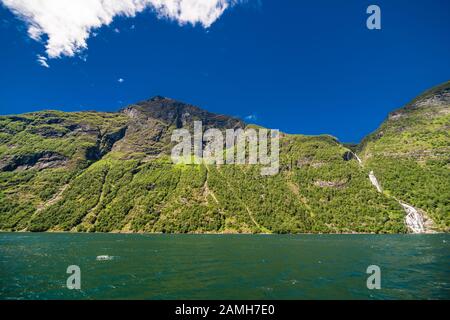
pixel 353 155
pixel 413 220
pixel 357 158
pixel 374 181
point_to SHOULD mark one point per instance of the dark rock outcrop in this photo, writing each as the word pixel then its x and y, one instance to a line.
pixel 38 161
pixel 179 114
pixel 105 144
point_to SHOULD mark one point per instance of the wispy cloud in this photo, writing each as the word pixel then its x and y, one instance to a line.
pixel 251 117
pixel 120 80
pixel 67 24
pixel 42 61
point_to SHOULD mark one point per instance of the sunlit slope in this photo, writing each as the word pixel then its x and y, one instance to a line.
pixel 324 195
pixel 42 153
pixel 111 172
pixel 410 154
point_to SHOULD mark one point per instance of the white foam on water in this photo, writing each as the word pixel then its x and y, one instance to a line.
pixel 104 258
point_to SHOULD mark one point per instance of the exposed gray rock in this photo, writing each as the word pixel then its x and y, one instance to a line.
pixel 104 144
pixel 330 184
pixel 48 132
pixel 38 161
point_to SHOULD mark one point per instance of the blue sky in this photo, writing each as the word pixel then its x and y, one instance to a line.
pixel 307 67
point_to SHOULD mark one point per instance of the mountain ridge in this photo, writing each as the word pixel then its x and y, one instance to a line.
pixel 111 172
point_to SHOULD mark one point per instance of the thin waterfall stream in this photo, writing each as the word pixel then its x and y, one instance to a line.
pixel 414 219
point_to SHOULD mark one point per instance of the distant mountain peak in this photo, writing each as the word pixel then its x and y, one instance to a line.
pixel 160 98
pixel 180 114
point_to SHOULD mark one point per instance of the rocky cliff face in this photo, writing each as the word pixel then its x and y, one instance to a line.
pixel 178 114
pixel 39 160
pixel 151 123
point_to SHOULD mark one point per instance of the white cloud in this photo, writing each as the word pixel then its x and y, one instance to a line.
pixel 67 24
pixel 120 80
pixel 42 61
pixel 251 117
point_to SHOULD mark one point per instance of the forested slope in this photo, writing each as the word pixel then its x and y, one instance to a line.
pixel 410 154
pixel 112 172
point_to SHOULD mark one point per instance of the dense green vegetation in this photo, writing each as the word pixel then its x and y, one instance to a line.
pixel 111 172
pixel 410 154
pixel 42 152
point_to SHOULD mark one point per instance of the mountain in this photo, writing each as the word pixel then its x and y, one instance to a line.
pixel 151 124
pixel 410 154
pixel 112 172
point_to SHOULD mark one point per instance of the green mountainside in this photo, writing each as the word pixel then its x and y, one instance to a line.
pixel 112 172
pixel 410 154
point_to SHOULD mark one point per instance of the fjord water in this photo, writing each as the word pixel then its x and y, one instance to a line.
pixel 33 266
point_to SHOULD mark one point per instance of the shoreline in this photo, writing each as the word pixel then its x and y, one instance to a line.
pixel 219 233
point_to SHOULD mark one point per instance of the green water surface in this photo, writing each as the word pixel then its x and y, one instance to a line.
pixel 33 266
